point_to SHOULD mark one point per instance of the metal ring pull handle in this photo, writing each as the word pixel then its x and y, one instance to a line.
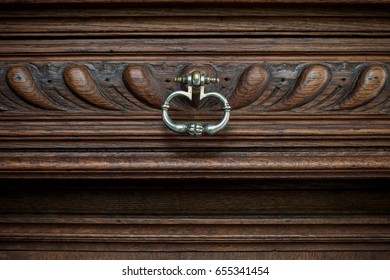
pixel 195 79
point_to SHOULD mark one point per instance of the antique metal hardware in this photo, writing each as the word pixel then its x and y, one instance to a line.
pixel 195 79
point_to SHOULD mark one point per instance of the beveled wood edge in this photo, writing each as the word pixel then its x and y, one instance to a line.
pixel 183 234
pixel 316 11
pixel 305 25
pixel 126 124
pixel 191 165
pixel 191 233
pixel 195 220
pixel 309 174
pixel 177 47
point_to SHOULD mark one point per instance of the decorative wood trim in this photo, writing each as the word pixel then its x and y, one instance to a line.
pixel 223 241
pixel 193 232
pixel 196 25
pixel 298 50
pixel 22 83
pixel 141 82
pixel 356 164
pixel 290 88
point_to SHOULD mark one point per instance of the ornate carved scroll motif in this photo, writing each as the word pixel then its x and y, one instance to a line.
pixel 368 86
pixel 69 88
pixel 80 82
pixel 310 83
pixel 141 83
pixel 322 88
pixel 22 83
pixel 250 86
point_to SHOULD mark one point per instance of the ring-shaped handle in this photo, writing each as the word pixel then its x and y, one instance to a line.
pixel 195 128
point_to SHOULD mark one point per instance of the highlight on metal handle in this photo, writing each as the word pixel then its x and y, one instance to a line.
pixel 195 128
pixel 195 79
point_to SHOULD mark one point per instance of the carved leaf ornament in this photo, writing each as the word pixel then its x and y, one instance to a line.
pixel 302 88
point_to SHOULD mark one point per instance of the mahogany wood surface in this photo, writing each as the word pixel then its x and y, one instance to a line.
pixel 88 170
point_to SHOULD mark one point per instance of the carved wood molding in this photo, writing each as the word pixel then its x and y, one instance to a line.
pixel 250 230
pixel 195 24
pixel 204 163
pixel 307 88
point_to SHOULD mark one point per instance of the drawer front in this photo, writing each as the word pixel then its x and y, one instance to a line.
pixel 299 107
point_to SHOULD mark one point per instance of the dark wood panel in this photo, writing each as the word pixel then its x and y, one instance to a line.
pixel 325 255
pixel 194 197
pixel 52 255
pixel 181 219
pixel 204 11
pixel 150 247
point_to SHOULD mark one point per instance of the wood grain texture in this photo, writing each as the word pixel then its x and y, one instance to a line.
pixel 22 83
pixel 194 165
pixel 200 49
pixel 192 233
pixel 143 85
pixel 197 202
pixel 226 11
pixel 175 18
pixel 309 84
pixel 249 87
pixel 217 26
pixel 233 255
pixel 79 81
pixel 368 86
pixel 170 219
